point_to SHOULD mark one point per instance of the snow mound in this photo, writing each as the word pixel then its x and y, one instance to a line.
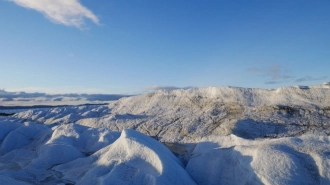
pixel 133 159
pixel 33 153
pixel 233 160
pixel 20 136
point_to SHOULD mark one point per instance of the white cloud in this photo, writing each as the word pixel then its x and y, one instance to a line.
pixel 67 12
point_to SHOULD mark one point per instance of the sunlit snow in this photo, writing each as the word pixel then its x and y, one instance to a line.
pixel 215 135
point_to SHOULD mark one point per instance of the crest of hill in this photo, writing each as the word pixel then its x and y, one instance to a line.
pixel 301 96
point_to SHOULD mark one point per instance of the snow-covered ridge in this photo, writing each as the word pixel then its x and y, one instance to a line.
pixel 188 115
pixel 314 96
pixel 185 115
pixel 67 114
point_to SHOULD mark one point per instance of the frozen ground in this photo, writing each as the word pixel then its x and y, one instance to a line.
pixel 215 135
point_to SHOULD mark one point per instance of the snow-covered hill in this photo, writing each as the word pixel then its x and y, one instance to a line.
pixel 224 135
pixel 189 115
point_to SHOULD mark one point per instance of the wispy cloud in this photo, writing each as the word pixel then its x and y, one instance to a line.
pixel 309 78
pixel 71 54
pixel 67 12
pixel 273 82
pixel 59 90
pixel 23 96
pixel 275 73
pixel 169 88
pixel 254 70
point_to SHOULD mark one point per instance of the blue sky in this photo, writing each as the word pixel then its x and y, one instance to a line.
pixel 130 47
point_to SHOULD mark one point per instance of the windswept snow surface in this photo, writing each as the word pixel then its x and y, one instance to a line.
pixel 219 135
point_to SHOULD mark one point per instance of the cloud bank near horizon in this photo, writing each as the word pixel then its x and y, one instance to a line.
pixel 66 12
pixel 23 96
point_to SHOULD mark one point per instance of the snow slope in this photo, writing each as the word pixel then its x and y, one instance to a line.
pixel 233 160
pixel 133 159
pixel 189 115
pixel 219 135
